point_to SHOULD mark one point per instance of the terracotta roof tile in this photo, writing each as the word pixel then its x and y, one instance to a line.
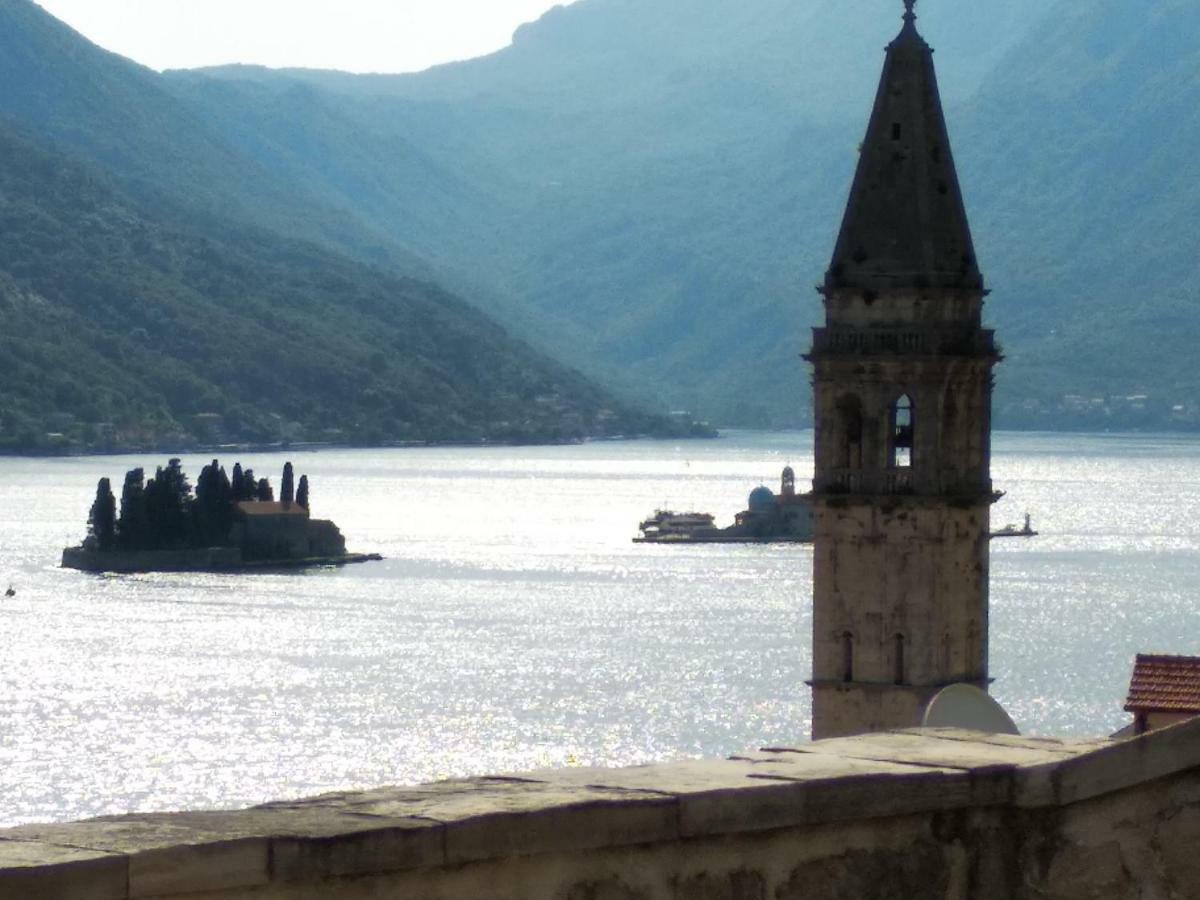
pixel 1164 684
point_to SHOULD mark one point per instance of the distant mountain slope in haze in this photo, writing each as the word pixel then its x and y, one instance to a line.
pixel 666 181
pixel 119 328
pixel 657 179
pixel 652 189
pixel 1083 147
pixel 122 117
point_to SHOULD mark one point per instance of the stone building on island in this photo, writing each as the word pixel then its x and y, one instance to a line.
pixel 283 531
pixel 903 382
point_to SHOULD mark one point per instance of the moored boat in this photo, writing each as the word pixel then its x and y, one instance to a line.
pixel 1010 530
pixel 768 518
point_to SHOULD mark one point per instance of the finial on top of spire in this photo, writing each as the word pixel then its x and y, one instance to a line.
pixel 909 15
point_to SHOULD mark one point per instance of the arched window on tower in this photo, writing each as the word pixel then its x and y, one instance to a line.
pixel 850 432
pixel 898 660
pixel 847 657
pixel 901 450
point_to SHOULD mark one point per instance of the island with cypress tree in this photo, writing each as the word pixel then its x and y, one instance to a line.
pixel 227 524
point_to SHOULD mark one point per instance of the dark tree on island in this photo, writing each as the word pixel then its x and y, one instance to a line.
pixel 102 521
pixel 248 489
pixel 168 502
pixel 164 514
pixel 287 488
pixel 133 525
pixel 212 509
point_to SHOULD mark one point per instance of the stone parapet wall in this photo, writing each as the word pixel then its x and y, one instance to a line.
pixel 937 814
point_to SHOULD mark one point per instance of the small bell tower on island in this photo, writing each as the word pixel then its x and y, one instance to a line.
pixel 903 389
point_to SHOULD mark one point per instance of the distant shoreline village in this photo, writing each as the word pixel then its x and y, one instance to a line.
pixel 229 524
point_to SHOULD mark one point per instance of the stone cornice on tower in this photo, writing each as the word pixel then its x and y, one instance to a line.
pixel 905 224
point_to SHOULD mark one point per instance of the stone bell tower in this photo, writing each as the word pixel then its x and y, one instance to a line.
pixel 903 383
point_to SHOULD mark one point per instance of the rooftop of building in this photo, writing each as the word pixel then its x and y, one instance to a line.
pixel 1163 683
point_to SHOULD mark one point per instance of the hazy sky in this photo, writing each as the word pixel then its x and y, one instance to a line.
pixel 354 35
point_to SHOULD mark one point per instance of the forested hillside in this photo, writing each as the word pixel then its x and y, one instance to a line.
pixel 1080 152
pixel 649 191
pixel 119 328
pixel 661 184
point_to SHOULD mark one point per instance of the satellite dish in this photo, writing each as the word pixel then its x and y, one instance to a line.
pixel 966 706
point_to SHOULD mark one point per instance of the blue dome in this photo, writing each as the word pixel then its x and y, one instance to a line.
pixel 762 500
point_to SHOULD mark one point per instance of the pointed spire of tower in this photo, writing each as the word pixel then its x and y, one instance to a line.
pixel 905 224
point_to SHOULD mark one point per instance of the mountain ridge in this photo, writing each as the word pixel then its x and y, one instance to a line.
pixel 651 193
pixel 122 328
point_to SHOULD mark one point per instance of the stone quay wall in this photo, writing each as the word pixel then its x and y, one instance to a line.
pixel 205 558
pixel 904 815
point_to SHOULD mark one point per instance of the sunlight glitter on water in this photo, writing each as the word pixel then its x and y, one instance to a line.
pixel 514 625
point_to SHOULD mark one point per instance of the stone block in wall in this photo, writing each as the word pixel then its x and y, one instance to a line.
pixel 1177 843
pixel 363 847
pixel 163 855
pixel 1111 768
pixel 487 818
pixel 1079 872
pixel 186 869
pixel 739 885
pixel 572 827
pixel 918 872
pixel 611 889
pixel 31 870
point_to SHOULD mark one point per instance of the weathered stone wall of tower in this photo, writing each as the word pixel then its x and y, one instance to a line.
pixel 951 413
pixel 900 578
pixel 903 611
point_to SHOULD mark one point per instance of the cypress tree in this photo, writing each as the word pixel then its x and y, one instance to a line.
pixel 133 525
pixel 225 506
pixel 211 508
pixel 249 486
pixel 102 521
pixel 265 494
pixel 287 489
pixel 176 502
pixel 302 493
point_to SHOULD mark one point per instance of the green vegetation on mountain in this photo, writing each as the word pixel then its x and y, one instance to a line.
pixel 649 190
pixel 670 178
pixel 120 328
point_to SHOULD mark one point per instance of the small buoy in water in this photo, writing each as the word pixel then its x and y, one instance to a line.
pixel 10 592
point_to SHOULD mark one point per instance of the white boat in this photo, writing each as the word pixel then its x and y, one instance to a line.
pixel 668 525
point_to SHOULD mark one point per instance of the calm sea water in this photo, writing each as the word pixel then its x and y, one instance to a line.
pixel 514 625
